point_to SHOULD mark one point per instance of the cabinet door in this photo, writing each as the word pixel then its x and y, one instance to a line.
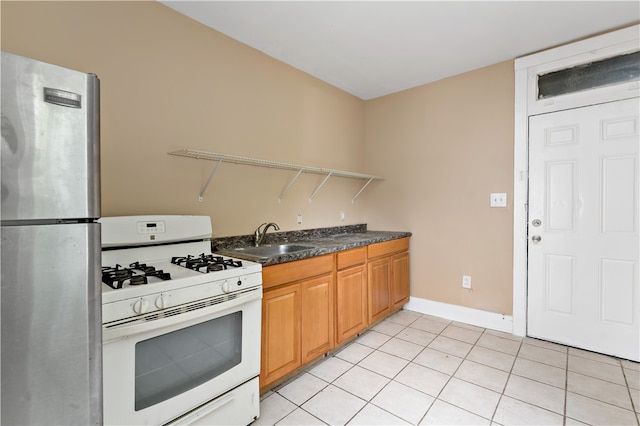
pixel 280 333
pixel 399 279
pixel 379 272
pixel 351 302
pixel 316 317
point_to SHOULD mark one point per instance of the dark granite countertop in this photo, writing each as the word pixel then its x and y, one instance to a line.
pixel 319 241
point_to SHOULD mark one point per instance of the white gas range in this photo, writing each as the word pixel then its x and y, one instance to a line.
pixel 181 325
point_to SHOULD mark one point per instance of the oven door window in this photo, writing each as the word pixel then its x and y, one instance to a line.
pixel 173 363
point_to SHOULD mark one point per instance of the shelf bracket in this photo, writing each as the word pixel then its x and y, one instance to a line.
pixel 361 189
pixel 212 156
pixel 206 185
pixel 320 186
pixel 289 186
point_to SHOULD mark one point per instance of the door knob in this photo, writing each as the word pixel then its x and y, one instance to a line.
pixel 536 238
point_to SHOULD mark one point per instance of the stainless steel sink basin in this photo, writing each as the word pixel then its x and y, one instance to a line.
pixel 269 250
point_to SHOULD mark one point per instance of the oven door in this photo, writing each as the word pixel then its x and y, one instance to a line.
pixel 162 365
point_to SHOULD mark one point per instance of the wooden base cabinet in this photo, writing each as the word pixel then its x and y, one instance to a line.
pixel 297 315
pixel 388 276
pixel 316 317
pixel 379 271
pixel 399 280
pixel 309 306
pixel 351 293
pixel 280 333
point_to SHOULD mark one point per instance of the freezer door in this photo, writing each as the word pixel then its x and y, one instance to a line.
pixel 50 141
pixel 51 325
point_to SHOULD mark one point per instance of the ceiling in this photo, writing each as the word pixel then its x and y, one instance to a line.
pixel 374 48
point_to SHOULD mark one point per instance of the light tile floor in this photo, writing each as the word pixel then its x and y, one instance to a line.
pixel 419 369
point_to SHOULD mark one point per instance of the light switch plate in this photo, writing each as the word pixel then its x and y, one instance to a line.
pixel 466 281
pixel 498 199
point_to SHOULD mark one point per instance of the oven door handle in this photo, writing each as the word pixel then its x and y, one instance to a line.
pixel 112 333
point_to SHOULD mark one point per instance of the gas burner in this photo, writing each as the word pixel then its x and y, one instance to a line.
pixel 205 262
pixel 137 273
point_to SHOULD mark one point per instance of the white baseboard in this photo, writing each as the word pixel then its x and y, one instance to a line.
pixel 477 317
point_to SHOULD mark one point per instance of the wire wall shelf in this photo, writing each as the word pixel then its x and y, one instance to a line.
pixel 227 158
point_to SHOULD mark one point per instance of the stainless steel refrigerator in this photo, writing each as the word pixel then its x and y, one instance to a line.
pixel 51 368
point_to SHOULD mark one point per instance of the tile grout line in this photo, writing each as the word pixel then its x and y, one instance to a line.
pixel 308 371
pixel 447 324
pixel 453 374
pixel 353 365
pixel 448 380
pixel 377 393
pixel 393 378
pixel 566 389
pixel 410 361
pixel 626 381
pixel 504 388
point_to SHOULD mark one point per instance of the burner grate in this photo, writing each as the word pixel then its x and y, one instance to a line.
pixel 137 273
pixel 205 262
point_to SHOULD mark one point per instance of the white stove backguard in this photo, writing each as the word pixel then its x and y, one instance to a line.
pixel 120 231
pixel 154 253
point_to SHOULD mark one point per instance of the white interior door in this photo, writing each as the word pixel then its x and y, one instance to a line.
pixel 583 228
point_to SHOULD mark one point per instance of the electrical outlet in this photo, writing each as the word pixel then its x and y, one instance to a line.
pixel 341 214
pixel 466 281
pixel 299 218
pixel 498 199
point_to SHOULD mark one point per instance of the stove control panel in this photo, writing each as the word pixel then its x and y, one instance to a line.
pixel 232 285
pixel 156 227
pixel 162 301
pixel 169 297
pixel 141 306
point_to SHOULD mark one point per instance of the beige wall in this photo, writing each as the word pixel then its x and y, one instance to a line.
pixel 170 83
pixel 443 148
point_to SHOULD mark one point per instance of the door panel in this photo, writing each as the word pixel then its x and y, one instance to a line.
pixel 379 275
pixel 559 282
pixel 619 213
pixel 351 302
pixel 399 279
pixel 280 333
pixel 316 317
pixel 583 241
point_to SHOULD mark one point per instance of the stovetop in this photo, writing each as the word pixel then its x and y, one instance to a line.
pixel 138 273
pixel 185 286
pixel 165 275
pixel 150 263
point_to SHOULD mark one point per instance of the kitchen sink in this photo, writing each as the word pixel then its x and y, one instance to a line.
pixel 269 250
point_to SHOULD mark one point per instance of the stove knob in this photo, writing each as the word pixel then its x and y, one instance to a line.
pixel 141 306
pixel 226 287
pixel 162 301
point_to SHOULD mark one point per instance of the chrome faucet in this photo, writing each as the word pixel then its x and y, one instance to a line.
pixel 258 236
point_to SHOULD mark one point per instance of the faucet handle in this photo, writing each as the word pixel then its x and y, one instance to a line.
pixel 257 235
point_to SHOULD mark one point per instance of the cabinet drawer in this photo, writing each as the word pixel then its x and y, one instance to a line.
pixel 347 258
pixel 388 247
pixel 293 271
